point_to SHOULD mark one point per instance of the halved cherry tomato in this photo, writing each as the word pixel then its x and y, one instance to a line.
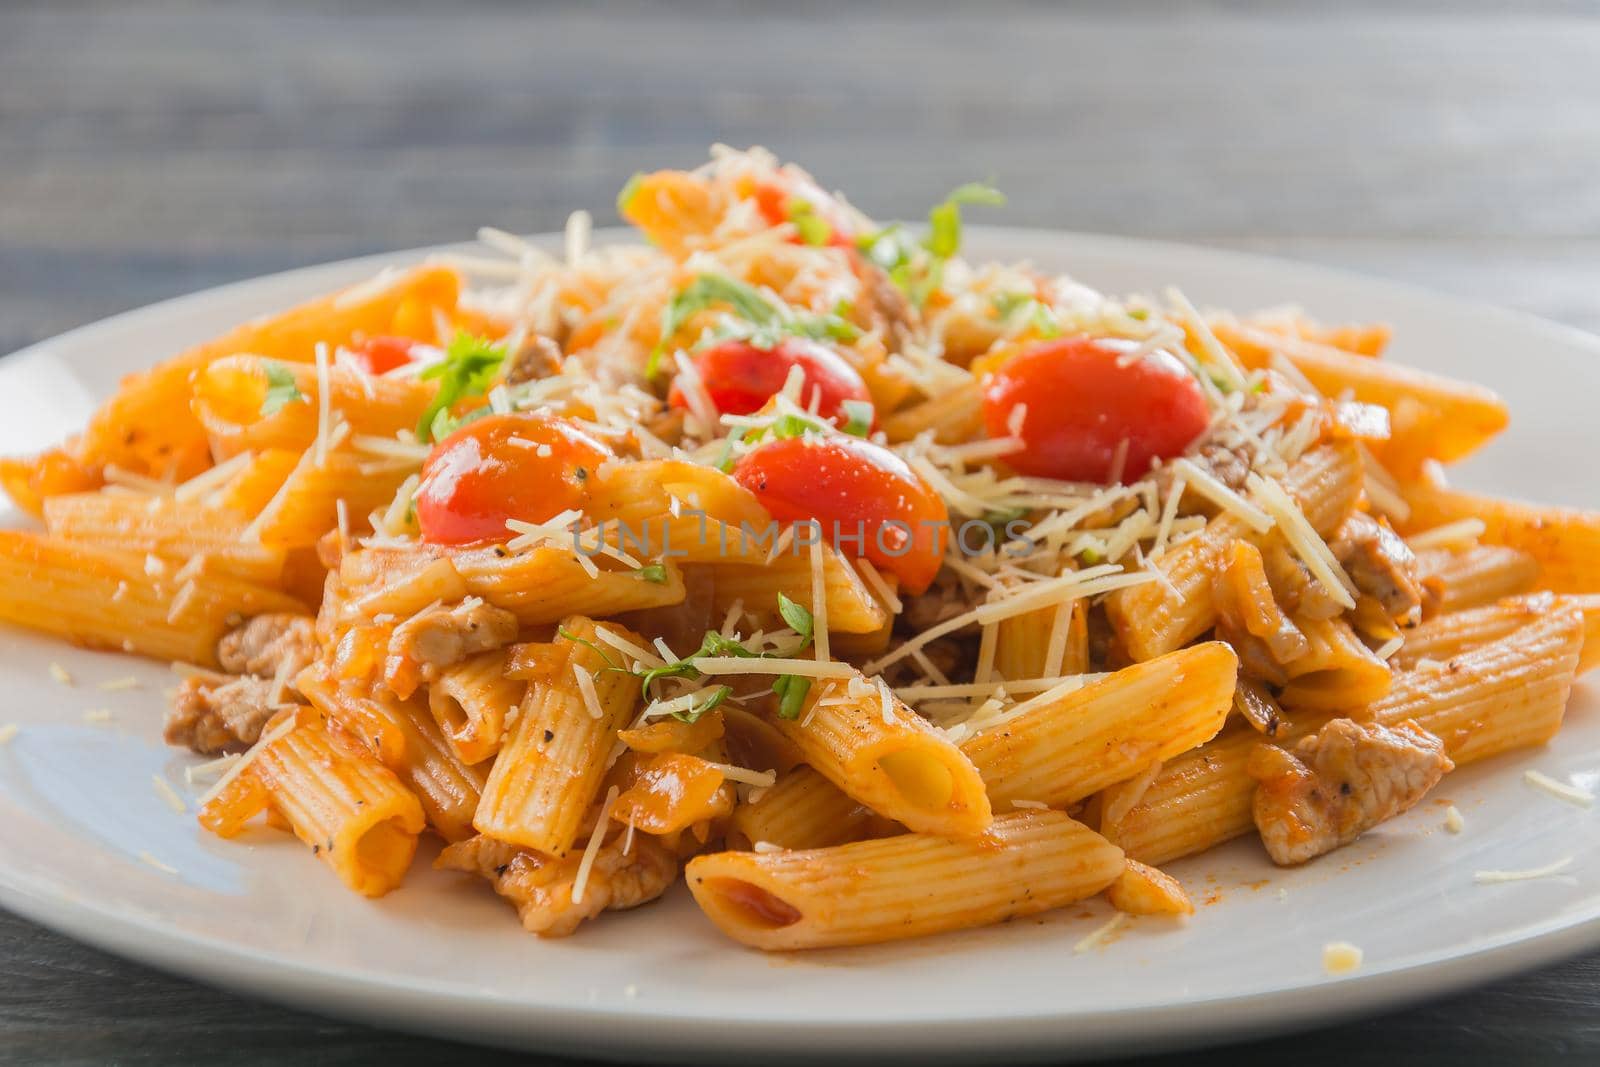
pixel 377 355
pixel 740 378
pixel 782 199
pixel 869 502
pixel 1083 401
pixel 476 479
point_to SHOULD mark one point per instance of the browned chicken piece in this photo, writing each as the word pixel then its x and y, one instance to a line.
pixel 886 306
pixel 1339 783
pixel 264 644
pixel 1296 591
pixel 540 357
pixel 211 715
pixel 1219 461
pixel 540 886
pixel 441 637
pixel 1380 564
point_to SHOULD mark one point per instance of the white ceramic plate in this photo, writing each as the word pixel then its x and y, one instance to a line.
pixel 78 809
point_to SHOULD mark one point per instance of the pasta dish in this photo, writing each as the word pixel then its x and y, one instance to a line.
pixel 873 590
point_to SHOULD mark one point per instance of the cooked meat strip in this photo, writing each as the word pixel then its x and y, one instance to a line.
pixel 540 886
pixel 1339 783
pixel 211 715
pixel 1379 563
pixel 540 357
pixel 886 306
pixel 441 637
pixel 265 643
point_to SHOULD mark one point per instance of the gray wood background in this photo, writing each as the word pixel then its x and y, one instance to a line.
pixel 151 148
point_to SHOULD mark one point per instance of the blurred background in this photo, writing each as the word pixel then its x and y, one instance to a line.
pixel 149 148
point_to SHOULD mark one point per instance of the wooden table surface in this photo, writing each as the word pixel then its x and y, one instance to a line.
pixel 148 149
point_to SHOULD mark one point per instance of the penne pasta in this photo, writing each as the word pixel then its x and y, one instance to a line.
pixel 894 593
pixel 884 755
pixel 900 887
pixel 351 810
pixel 556 753
pixel 1564 541
pixel 1063 748
pixel 802 810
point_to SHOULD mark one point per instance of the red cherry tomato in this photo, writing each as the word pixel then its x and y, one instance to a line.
pixel 868 501
pixel 781 200
pixel 377 355
pixel 476 479
pixel 740 378
pixel 1082 403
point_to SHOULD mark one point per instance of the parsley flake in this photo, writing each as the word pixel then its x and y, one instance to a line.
pixel 281 389
pixel 468 369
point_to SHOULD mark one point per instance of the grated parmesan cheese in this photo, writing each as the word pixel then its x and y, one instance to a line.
pixel 165 791
pixel 1460 532
pixel 592 849
pixel 1101 935
pixel 8 731
pixel 1572 794
pixel 59 673
pixel 591 699
pixel 1496 877
pixel 1453 820
pixel 1340 957
pixel 150 861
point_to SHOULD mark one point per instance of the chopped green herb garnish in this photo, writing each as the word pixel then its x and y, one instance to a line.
pixel 812 228
pixel 725 460
pixel 917 269
pixel 444 424
pixel 944 221
pixel 655 573
pixel 628 192
pixel 468 368
pixel 713 700
pixel 798 616
pixel 791 690
pixel 605 655
pixel 706 291
pixel 1139 313
pixel 791 425
pixel 1011 307
pixel 858 417
pixel 281 389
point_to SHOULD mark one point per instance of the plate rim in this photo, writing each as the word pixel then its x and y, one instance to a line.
pixel 412 1003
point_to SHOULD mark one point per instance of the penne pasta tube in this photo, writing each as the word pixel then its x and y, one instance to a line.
pixel 148 427
pixel 556 753
pixel 1500 696
pixel 954 416
pixel 470 702
pixel 111 599
pixel 1564 541
pixel 852 607
pixel 802 810
pixel 1497 697
pixel 1158 617
pixel 545 584
pixel 900 887
pixel 888 757
pixel 230 394
pixel 1444 636
pixel 1060 749
pixel 1337 670
pixel 352 811
pixel 404 738
pixel 306 506
pixel 1473 577
pixel 1433 417
pixel 168 528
